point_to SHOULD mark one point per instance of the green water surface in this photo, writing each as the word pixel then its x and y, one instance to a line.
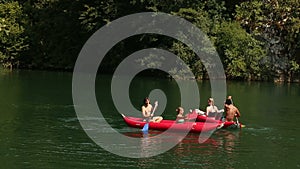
pixel 39 127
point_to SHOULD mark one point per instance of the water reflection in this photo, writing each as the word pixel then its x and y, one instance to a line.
pixel 228 139
pixel 153 143
pixel 217 150
pixel 222 140
pixel 148 146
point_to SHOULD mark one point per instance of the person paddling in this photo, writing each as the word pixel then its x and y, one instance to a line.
pixel 231 110
pixel 146 112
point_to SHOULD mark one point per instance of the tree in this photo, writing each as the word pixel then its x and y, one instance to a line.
pixel 240 52
pixel 277 24
pixel 12 38
pixel 54 33
pixel 199 18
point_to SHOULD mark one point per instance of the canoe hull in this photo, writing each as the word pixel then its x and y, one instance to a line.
pixel 194 127
pixel 229 125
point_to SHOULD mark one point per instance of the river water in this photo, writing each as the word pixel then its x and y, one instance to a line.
pixel 39 127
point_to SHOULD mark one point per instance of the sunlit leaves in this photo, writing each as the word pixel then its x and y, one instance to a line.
pixel 12 39
pixel 276 23
pixel 241 53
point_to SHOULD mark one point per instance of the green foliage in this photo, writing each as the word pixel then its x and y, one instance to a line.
pixel 54 33
pixel 97 14
pixel 255 39
pixel 199 18
pixel 12 38
pixel 240 52
pixel 276 23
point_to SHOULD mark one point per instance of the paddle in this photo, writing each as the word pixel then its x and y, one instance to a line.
pixel 146 126
pixel 238 123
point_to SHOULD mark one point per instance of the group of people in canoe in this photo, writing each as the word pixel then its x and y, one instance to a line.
pixel 230 110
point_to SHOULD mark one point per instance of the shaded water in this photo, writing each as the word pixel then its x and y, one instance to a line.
pixel 39 127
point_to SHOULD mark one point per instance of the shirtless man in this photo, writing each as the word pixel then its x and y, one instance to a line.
pixel 146 111
pixel 146 108
pixel 231 110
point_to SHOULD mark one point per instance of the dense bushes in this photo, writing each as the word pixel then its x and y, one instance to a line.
pixel 256 40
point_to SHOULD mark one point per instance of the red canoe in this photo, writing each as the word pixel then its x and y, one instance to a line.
pixel 203 118
pixel 194 127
